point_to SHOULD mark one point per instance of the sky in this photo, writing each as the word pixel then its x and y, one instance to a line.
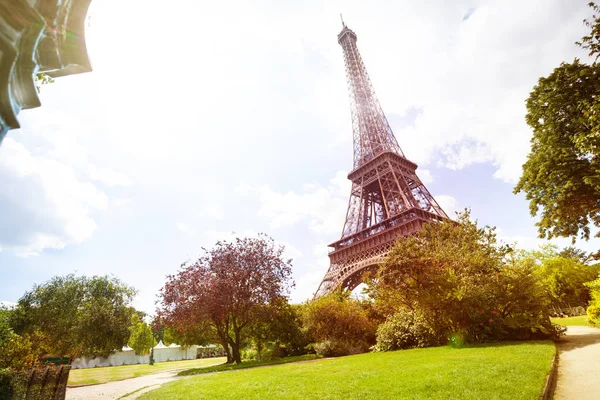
pixel 205 120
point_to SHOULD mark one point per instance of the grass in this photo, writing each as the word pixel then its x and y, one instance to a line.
pixel 247 364
pixel 493 371
pixel 91 376
pixel 132 392
pixel 581 320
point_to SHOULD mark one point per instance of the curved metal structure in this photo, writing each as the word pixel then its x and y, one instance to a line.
pixel 37 36
pixel 387 200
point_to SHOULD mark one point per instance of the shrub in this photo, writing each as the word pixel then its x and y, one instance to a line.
pixel 339 325
pixel 405 330
pixel 250 354
pixel 340 347
pixel 593 313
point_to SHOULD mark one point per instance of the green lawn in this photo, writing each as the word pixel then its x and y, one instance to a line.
pixel 247 364
pixel 581 320
pixel 494 371
pixel 90 376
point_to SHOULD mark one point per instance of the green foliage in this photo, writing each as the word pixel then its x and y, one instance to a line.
pixel 140 336
pixel 42 79
pixel 339 324
pixel 560 177
pixel 593 311
pixel 564 280
pixel 251 354
pixel 454 279
pixel 591 42
pixel 281 325
pixel 563 274
pixel 12 385
pixel 77 315
pixel 405 330
pixel 18 353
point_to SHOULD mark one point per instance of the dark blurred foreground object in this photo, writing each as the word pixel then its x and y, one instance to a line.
pixel 49 383
pixel 37 36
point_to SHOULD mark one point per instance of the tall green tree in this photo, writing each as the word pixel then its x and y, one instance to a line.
pixel 79 316
pixel 563 274
pixel 454 278
pixel 141 338
pixel 561 177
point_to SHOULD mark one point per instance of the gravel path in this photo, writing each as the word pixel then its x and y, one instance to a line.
pixel 114 390
pixel 579 365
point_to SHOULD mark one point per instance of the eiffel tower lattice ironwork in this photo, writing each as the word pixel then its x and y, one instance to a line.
pixel 387 200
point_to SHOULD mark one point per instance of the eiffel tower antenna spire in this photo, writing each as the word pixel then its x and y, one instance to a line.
pixel 387 200
pixel 342 18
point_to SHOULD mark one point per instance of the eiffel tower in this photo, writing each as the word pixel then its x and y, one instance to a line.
pixel 387 200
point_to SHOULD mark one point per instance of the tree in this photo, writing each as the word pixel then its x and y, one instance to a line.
pixel 591 42
pixel 281 324
pixel 455 279
pixel 563 274
pixel 226 289
pixel 141 338
pixel 576 254
pixel 79 316
pixel 561 175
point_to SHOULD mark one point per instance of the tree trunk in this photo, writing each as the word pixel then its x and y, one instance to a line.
pixel 235 350
pixel 225 345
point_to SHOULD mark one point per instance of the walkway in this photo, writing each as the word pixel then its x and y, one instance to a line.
pixel 579 365
pixel 115 390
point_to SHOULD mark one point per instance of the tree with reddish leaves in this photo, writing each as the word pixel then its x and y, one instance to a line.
pixel 226 290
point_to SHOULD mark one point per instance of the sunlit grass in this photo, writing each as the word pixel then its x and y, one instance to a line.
pixel 580 320
pixel 247 364
pixel 90 376
pixel 494 371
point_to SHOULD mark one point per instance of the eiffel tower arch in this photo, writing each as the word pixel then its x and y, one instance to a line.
pixel 387 199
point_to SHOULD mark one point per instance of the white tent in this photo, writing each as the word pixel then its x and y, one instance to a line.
pixel 127 356
pixel 174 352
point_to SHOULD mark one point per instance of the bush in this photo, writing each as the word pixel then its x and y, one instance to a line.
pixel 250 354
pixel 593 313
pixel 340 347
pixel 339 325
pixel 405 330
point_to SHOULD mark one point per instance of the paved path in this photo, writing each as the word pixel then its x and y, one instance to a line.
pixel 114 390
pixel 579 365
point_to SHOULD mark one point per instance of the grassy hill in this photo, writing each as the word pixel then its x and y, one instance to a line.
pixel 494 371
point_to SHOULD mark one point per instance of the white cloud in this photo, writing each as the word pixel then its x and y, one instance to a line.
pixel 425 176
pixel 185 228
pixel 44 204
pixel 107 176
pixel 122 202
pixel 448 204
pixel 323 208
pixel 532 243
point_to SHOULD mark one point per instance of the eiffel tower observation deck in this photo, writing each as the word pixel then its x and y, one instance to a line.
pixel 387 200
